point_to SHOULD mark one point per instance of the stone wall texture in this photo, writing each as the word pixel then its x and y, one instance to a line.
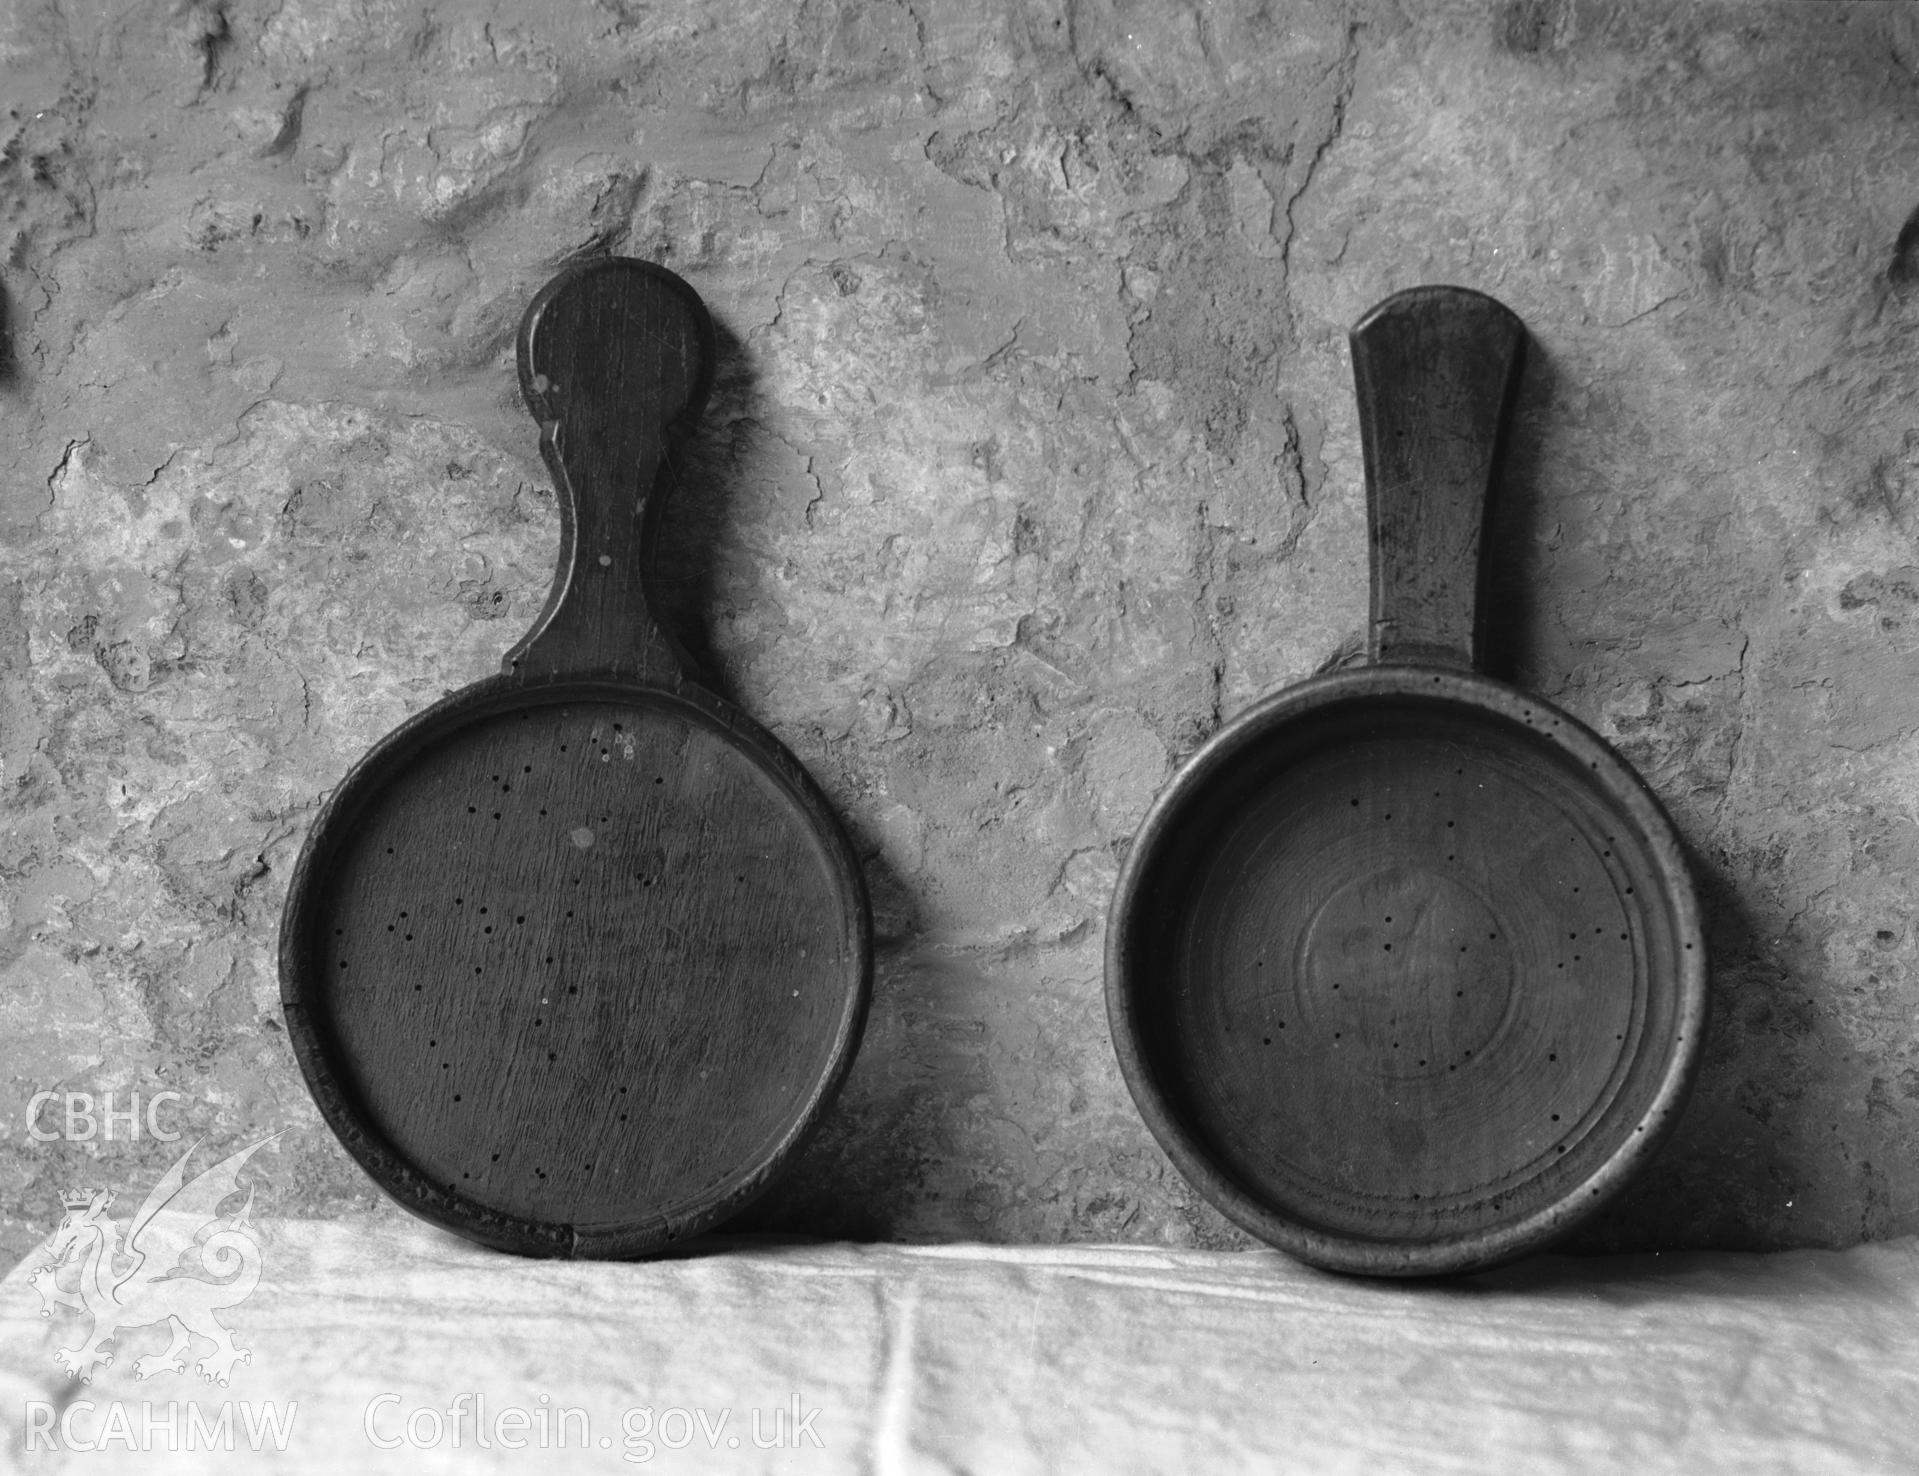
pixel 1033 457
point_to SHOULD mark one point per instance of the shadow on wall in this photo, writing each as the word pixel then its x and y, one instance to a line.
pixel 1903 274
pixel 855 1178
pixel 1763 1117
pixel 1509 612
pixel 1707 1184
pixel 9 366
pixel 1710 1184
pixel 689 542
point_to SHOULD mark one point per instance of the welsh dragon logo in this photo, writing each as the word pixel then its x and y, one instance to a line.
pixel 152 1275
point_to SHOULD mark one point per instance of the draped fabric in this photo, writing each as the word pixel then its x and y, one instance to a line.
pixel 390 1341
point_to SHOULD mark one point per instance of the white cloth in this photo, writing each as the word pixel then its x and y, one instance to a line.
pixel 965 1358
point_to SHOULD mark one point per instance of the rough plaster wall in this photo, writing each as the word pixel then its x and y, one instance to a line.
pixel 1033 457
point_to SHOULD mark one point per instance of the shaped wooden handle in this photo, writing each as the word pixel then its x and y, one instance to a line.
pixel 616 361
pixel 1436 370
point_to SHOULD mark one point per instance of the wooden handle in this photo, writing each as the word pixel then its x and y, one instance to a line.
pixel 1436 370
pixel 616 360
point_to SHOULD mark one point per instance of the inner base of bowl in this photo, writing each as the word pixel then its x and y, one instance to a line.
pixel 578 959
pixel 1406 972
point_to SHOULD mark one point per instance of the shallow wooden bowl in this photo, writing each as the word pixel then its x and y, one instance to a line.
pixel 574 959
pixel 1405 970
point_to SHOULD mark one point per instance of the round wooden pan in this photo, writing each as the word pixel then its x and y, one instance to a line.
pixel 573 959
pixel 1405 971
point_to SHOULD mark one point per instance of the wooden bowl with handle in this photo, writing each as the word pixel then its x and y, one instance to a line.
pixel 574 959
pixel 1404 969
